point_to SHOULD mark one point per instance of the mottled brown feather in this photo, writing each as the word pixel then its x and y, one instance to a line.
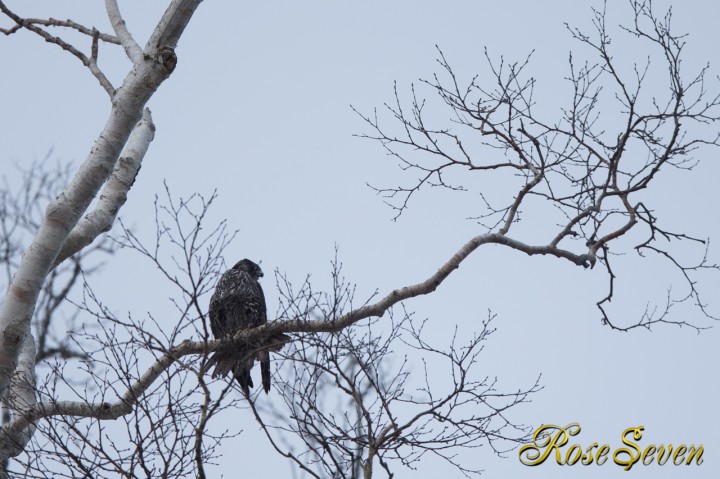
pixel 239 303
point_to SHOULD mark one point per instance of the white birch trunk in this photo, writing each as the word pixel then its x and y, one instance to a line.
pixel 61 222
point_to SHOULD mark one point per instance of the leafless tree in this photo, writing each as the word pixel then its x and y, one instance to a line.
pixel 152 380
pixel 20 217
pixel 374 396
pixel 167 435
pixel 617 132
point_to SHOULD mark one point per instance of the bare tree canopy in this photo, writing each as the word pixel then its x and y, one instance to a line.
pixel 101 385
pixel 588 169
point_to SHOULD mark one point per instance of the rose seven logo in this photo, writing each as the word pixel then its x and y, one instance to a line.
pixel 551 438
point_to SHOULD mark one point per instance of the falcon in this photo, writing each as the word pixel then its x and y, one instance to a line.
pixel 238 303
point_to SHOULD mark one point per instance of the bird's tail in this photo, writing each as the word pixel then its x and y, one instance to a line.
pixel 226 363
pixel 223 363
pixel 264 357
pixel 242 376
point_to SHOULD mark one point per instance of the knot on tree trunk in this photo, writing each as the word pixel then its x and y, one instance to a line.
pixel 167 58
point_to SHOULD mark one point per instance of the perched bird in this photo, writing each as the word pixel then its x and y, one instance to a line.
pixel 239 303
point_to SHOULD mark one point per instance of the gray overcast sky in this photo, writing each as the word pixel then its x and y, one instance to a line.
pixel 259 109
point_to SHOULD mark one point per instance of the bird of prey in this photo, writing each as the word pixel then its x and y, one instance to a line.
pixel 239 303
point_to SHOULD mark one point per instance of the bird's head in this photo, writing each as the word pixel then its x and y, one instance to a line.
pixel 250 268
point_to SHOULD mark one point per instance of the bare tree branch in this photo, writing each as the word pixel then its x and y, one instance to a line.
pixel 114 195
pixel 132 49
pixel 90 62
pixel 350 398
pixel 592 177
pixel 63 214
pixel 52 22
pixel 151 379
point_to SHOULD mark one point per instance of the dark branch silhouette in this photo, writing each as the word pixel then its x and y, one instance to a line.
pixel 392 404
